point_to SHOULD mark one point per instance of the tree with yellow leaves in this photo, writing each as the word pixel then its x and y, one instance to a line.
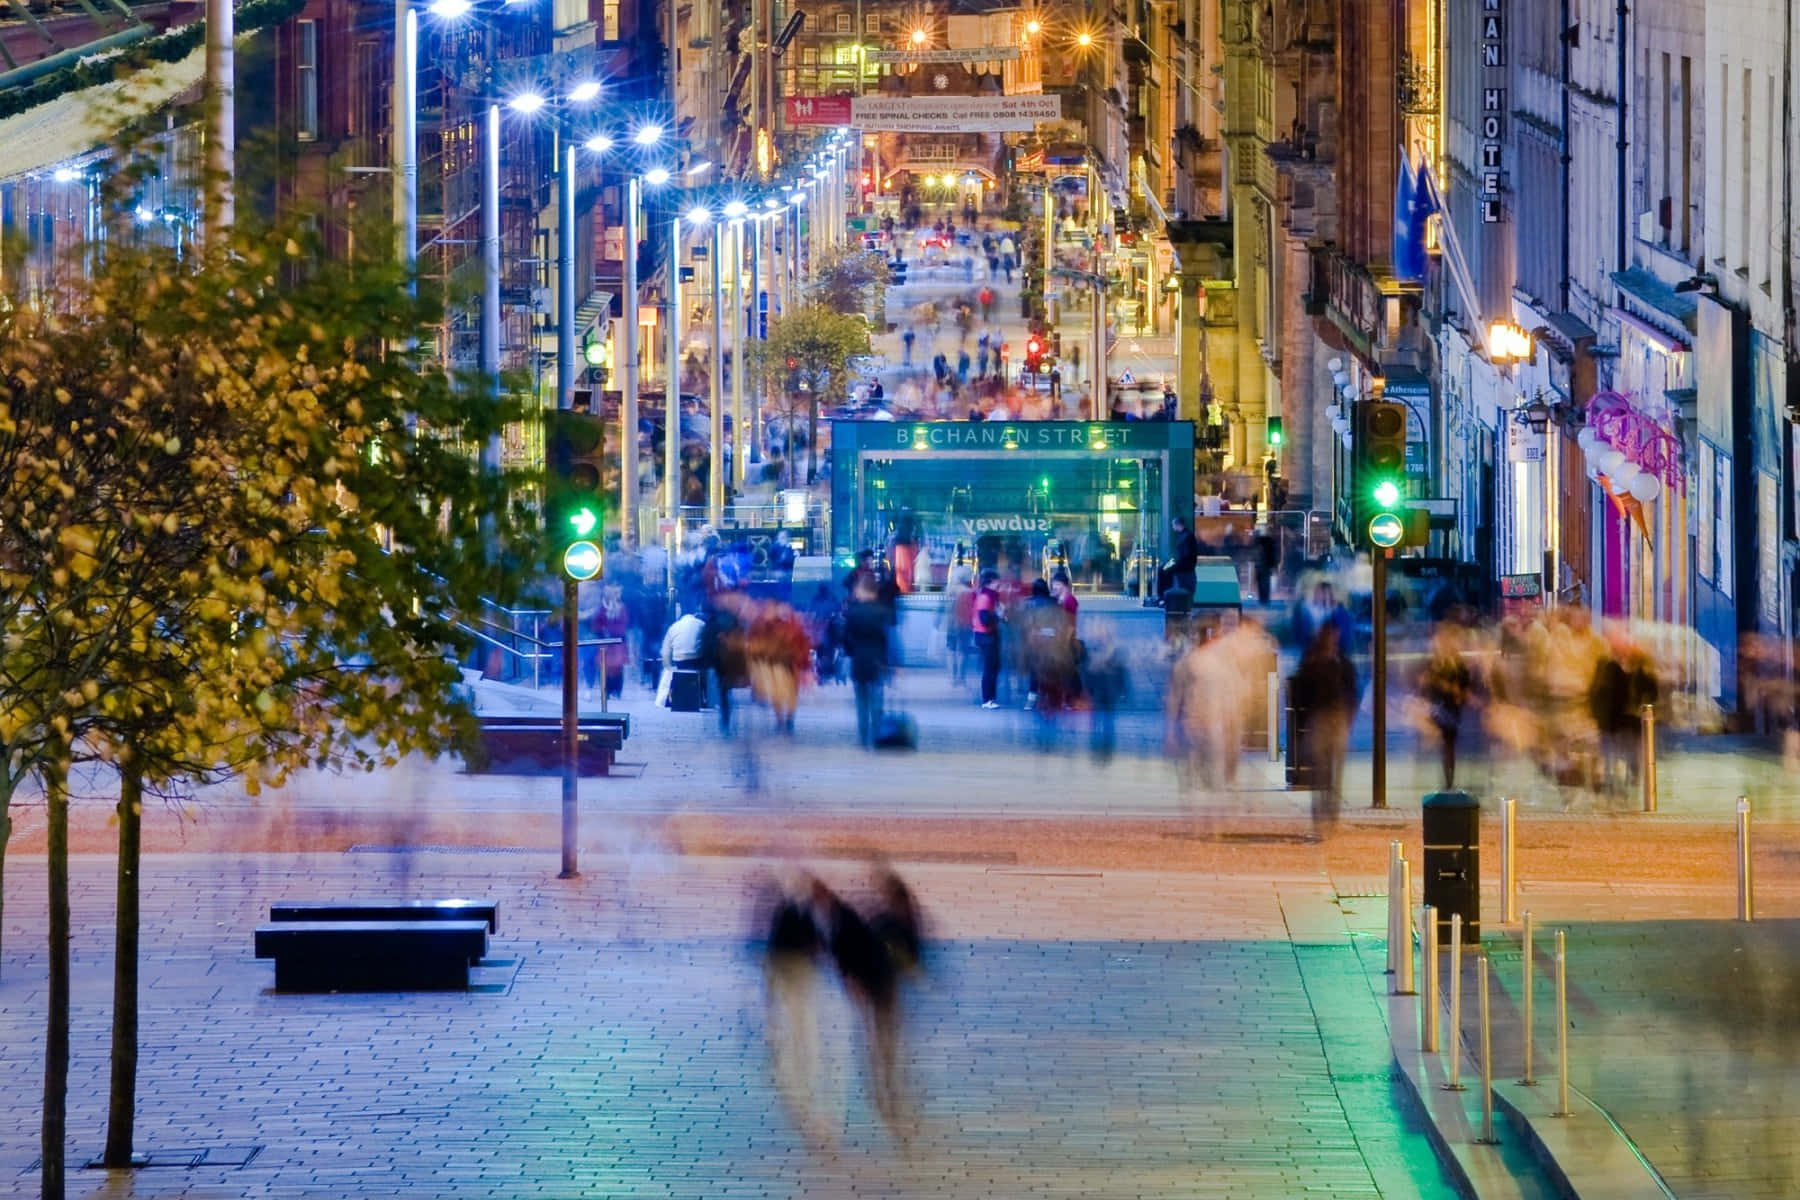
pixel 238 519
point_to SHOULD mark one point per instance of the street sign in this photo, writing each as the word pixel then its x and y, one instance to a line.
pixel 582 560
pixel 1126 378
pixel 1386 530
pixel 970 54
pixel 818 110
pixel 952 114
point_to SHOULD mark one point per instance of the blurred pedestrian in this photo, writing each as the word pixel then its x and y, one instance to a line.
pixel 791 980
pixel 612 626
pixel 984 624
pixel 1266 551
pixel 1321 609
pixel 871 980
pixel 1324 695
pixel 1624 682
pixel 1104 680
pixel 906 343
pixel 954 621
pixel 1445 685
pixel 866 632
pixel 1177 572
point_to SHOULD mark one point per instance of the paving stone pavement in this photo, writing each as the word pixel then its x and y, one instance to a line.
pixel 1080 1034
pixel 1682 1027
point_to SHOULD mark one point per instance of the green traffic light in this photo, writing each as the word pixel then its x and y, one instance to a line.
pixel 584 521
pixel 1387 493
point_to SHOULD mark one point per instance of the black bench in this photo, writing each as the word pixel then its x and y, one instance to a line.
pixel 533 745
pixel 387 910
pixel 372 956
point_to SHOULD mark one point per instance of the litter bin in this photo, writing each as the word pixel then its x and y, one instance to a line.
pixel 1453 862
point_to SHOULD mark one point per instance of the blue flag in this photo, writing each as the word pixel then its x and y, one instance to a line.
pixel 1403 203
pixel 1424 204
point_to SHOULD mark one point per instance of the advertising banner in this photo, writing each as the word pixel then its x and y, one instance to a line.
pixel 818 110
pixel 971 54
pixel 953 114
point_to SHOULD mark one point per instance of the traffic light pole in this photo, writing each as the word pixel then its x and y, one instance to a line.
pixel 1378 668
pixel 571 747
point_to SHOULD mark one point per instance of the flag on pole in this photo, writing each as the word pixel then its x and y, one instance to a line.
pixel 1403 204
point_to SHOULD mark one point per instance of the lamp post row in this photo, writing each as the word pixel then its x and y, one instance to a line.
pixel 825 230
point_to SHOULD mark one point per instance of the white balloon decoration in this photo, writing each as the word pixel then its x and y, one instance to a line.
pixel 1609 461
pixel 1646 487
pixel 1586 439
pixel 1334 364
pixel 1331 413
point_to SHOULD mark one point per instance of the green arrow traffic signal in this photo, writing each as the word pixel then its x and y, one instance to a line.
pixel 583 521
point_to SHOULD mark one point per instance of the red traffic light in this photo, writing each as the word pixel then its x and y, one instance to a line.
pixel 793 363
pixel 1033 348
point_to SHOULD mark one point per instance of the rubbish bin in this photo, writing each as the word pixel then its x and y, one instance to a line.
pixel 1453 862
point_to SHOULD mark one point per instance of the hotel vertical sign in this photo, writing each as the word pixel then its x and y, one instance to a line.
pixel 1493 104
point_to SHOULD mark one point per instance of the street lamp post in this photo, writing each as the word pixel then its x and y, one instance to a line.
pixel 715 467
pixel 490 268
pixel 735 212
pixel 628 390
pixel 565 270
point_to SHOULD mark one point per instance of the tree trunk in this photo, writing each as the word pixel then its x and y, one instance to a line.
pixel 56 1036
pixel 8 784
pixel 121 1108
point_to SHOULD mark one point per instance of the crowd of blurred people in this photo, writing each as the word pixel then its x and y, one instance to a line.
pixel 1547 685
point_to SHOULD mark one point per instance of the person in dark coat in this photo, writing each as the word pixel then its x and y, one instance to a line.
pixel 1178 571
pixel 1266 554
pixel 791 975
pixel 1624 682
pixel 872 982
pixel 1324 695
pixel 866 632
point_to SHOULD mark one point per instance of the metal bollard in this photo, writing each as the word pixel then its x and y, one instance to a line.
pixel 1525 1001
pixel 1454 1048
pixel 1647 758
pixel 1393 917
pixel 1428 997
pixel 1509 861
pixel 1403 983
pixel 1562 1030
pixel 1274 685
pixel 1746 882
pixel 1487 1056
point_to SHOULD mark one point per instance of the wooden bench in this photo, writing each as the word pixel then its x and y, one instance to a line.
pixel 532 745
pixel 372 956
pixel 387 910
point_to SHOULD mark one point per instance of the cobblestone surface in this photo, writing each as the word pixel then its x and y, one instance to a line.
pixel 1082 1034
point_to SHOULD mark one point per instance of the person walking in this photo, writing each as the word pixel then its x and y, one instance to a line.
pixel 1178 571
pixel 907 337
pixel 984 624
pixel 612 624
pixel 872 982
pixel 954 621
pixel 1324 692
pixel 866 631
pixel 1444 686
pixel 791 984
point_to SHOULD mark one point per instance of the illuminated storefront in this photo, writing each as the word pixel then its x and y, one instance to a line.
pixel 1094 496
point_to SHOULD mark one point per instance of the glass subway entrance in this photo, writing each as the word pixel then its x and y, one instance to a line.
pixel 1092 498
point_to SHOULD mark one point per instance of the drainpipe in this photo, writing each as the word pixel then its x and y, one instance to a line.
pixel 1624 65
pixel 1567 158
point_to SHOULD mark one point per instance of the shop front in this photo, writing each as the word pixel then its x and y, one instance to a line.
pixel 1095 498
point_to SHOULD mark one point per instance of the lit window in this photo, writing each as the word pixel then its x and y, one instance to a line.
pixel 306 80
